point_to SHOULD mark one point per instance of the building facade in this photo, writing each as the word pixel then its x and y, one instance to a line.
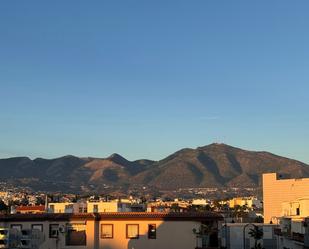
pixel 30 209
pixel 112 230
pixel 293 230
pixel 250 202
pixel 67 207
pixel 236 235
pixel 277 191
pixel 91 207
pixel 110 206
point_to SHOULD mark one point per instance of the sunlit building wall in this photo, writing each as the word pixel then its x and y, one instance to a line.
pixel 116 230
pixel 277 191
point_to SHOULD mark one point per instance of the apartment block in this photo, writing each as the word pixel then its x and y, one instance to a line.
pixel 293 232
pixel 250 202
pixel 30 209
pixel 110 206
pixel 92 207
pixel 111 230
pixel 67 207
pixel 277 190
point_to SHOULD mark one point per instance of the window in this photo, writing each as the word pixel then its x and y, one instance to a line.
pixel 76 235
pixel 26 233
pixel 298 211
pixel 3 242
pixel 95 208
pixel 132 231
pixel 16 226
pixel 4 238
pixel 37 227
pixel 52 208
pixel 25 243
pixel 53 230
pixel 69 208
pixel 152 231
pixel 82 209
pixel 107 231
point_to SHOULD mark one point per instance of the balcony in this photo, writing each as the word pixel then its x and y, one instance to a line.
pixel 298 237
pixel 278 232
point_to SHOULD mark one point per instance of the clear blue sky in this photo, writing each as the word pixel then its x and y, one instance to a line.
pixel 146 78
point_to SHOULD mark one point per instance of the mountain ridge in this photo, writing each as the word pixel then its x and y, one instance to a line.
pixel 214 165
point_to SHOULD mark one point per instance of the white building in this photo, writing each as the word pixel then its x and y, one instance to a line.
pixel 294 224
pixel 200 202
pixel 67 207
pixel 236 235
pixel 109 206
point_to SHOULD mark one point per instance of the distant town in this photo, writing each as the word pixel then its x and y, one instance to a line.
pixel 275 219
pixel 16 195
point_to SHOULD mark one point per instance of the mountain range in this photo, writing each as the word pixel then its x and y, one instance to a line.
pixel 214 165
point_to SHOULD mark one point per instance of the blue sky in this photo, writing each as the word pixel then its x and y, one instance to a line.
pixel 146 78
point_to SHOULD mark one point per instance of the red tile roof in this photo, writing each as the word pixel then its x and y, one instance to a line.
pixel 30 208
pixel 161 215
pixel 197 216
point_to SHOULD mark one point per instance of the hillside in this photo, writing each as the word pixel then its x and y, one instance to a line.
pixel 216 165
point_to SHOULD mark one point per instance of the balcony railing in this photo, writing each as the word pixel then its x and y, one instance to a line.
pixel 293 236
pixel 277 231
pixel 298 237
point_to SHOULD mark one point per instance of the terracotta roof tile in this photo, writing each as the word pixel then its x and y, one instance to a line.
pixel 29 208
pixel 200 216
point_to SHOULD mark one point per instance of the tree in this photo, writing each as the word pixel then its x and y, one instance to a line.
pixel 258 219
pixel 200 208
pixel 203 233
pixel 240 211
pixel 175 207
pixel 3 207
pixel 256 233
pixel 217 205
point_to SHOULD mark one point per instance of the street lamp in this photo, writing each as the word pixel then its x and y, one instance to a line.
pixel 244 233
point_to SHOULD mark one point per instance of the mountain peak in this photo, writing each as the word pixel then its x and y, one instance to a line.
pixel 216 164
pixel 116 158
pixel 217 146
